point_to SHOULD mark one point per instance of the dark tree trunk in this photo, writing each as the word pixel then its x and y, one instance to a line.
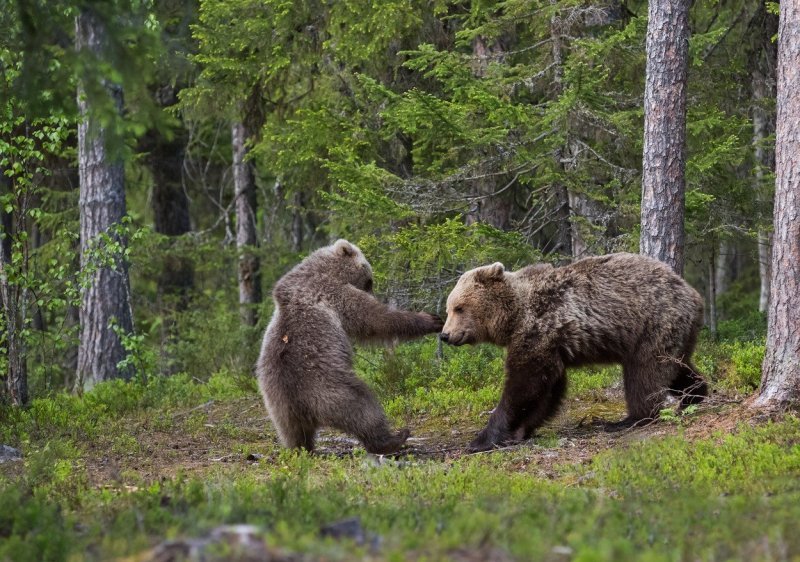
pixel 15 380
pixel 663 183
pixel 780 383
pixel 711 294
pixel 245 193
pixel 171 208
pixel 563 215
pixel 106 308
pixel 491 204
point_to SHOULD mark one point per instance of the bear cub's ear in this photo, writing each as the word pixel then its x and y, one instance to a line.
pixel 343 248
pixel 492 272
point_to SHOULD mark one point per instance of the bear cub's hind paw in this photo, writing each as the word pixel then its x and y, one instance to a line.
pixel 390 445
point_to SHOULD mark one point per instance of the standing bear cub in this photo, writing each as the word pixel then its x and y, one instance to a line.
pixel 305 371
pixel 619 308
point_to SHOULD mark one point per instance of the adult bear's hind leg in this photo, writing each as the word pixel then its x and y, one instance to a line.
pixel 644 390
pixel 689 387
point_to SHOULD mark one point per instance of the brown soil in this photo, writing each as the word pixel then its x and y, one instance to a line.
pixel 238 435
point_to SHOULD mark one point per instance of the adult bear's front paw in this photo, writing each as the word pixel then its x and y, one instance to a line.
pixel 487 440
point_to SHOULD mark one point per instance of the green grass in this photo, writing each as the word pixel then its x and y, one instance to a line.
pixel 726 496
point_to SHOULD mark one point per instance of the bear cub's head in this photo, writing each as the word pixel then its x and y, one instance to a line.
pixel 349 266
pixel 476 306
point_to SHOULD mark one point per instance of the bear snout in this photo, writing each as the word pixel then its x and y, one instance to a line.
pixel 458 338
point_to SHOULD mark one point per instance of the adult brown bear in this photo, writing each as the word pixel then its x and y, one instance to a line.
pixel 620 308
pixel 305 370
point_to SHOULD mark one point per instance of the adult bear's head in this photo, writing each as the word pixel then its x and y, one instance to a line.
pixel 480 307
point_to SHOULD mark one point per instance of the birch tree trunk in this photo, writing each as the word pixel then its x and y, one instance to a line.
pixel 663 182
pixel 780 383
pixel 245 193
pixel 105 308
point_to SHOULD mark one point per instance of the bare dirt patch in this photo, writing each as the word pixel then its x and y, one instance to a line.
pixel 238 435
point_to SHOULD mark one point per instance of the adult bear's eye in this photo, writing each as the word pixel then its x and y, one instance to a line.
pixel 458 309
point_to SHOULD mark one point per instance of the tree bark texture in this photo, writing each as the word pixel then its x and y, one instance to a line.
pixel 106 297
pixel 663 182
pixel 780 383
pixel 245 193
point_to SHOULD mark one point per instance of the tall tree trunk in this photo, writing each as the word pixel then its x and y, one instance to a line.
pixel 15 380
pixel 711 295
pixel 245 192
pixel 298 203
pixel 490 206
pixel 564 212
pixel 727 265
pixel 764 64
pixel 781 371
pixel 171 207
pixel 106 308
pixel 663 183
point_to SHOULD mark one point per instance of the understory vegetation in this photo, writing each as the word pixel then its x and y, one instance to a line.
pixel 128 465
pixel 229 139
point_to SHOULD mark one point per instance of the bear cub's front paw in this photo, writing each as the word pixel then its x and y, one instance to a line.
pixel 432 323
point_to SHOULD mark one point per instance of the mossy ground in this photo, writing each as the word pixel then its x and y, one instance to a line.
pixel 114 473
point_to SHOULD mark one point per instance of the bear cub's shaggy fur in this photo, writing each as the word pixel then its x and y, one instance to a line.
pixel 305 371
pixel 619 308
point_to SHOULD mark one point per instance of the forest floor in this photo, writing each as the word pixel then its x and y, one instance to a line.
pixel 175 469
pixel 239 433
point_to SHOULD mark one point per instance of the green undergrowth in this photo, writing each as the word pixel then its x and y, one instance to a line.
pixel 728 496
pixel 88 417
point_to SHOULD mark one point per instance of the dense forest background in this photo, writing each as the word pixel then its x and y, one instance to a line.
pixel 436 135
pixel 163 163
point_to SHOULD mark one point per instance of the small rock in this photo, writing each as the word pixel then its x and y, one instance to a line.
pixel 345 529
pixel 350 529
pixel 243 543
pixel 9 454
pixel 254 457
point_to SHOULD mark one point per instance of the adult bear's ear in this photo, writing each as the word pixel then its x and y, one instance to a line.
pixel 494 272
pixel 343 248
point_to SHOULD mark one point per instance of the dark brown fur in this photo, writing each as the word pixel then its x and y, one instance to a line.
pixel 305 370
pixel 620 308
